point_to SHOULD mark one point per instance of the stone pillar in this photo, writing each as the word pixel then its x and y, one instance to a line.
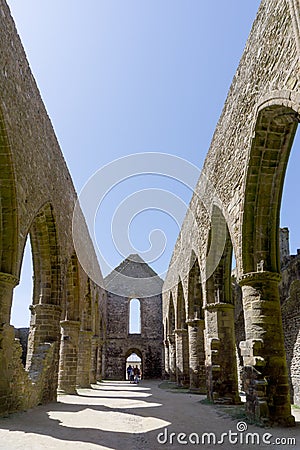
pixel 94 359
pixel 44 327
pixel 7 336
pixel 44 335
pixel 7 284
pixel 197 355
pixel 221 366
pixel 167 359
pixel 99 373
pixel 84 358
pixel 68 356
pixel 182 357
pixel 172 359
pixel 265 373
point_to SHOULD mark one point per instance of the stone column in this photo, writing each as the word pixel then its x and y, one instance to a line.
pixel 182 358
pixel 197 355
pixel 44 337
pixel 99 374
pixel 265 373
pixel 84 358
pixel 7 284
pixel 172 353
pixel 221 366
pixel 44 327
pixel 167 359
pixel 68 356
pixel 7 336
pixel 94 359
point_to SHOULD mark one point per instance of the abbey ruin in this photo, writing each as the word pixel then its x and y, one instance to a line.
pixel 215 331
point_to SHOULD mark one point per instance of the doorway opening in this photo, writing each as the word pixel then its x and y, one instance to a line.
pixel 133 360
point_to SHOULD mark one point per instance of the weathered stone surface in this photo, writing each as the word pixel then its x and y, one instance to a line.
pixel 236 207
pixel 37 200
pixel 148 345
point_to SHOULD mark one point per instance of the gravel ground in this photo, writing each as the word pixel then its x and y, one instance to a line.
pixel 123 416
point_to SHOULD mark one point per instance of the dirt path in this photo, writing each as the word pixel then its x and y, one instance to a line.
pixel 123 416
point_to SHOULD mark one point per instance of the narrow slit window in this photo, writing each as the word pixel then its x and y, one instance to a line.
pixel 134 316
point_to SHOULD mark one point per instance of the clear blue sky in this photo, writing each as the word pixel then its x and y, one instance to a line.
pixel 121 77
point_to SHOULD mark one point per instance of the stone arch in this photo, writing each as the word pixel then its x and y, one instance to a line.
pixel 8 207
pixel 46 258
pixel 171 348
pixel 219 313
pixel 182 339
pixel 180 308
pixel 171 315
pixel 46 269
pixel 273 138
pixel 70 326
pixel 195 295
pixel 71 307
pixel 138 352
pixel 219 260
pixel 196 327
pixel 86 308
pixel 84 366
pixel 274 133
pixel 8 269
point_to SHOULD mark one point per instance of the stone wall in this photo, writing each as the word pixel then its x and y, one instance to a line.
pixel 236 207
pixel 120 343
pixel 289 289
pixel 37 200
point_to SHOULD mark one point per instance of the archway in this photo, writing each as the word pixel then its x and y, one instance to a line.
pixel 196 328
pixel 70 326
pixel 274 133
pixel 22 300
pixel 182 340
pixel 85 338
pixel 8 266
pixel 219 313
pixel 44 332
pixel 134 359
pixel 171 339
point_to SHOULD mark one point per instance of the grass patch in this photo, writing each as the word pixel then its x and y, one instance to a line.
pixel 173 387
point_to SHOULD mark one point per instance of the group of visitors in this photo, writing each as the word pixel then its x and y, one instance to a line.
pixel 133 374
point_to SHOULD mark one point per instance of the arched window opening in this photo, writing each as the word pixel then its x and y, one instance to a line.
pixel 219 261
pixel 134 316
pixel 22 299
pixel 195 296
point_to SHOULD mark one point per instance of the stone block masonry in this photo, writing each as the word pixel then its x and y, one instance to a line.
pixel 37 199
pixel 120 342
pixel 236 205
